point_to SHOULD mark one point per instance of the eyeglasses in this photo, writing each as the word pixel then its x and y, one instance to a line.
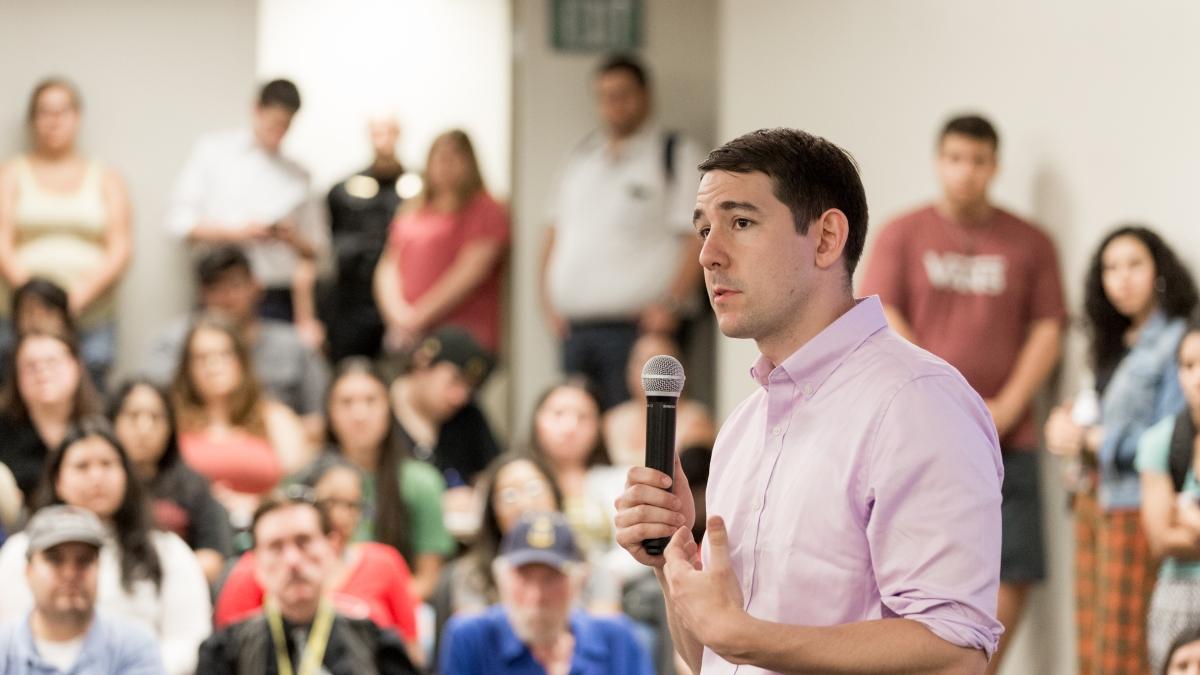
pixel 530 490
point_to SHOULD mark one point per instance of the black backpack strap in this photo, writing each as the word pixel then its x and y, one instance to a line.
pixel 669 142
pixel 1182 443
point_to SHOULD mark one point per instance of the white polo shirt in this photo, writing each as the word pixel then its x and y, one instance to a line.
pixel 230 180
pixel 618 225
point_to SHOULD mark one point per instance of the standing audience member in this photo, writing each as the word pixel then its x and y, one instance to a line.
pixel 243 442
pixel 361 209
pixel 144 422
pixel 66 217
pixel 1137 296
pixel 625 424
pixel 289 370
pixel 49 390
pixel 443 261
pixel 620 254
pixel 1166 459
pixel 980 288
pixel 299 629
pixel 433 403
pixel 237 188
pixel 536 628
pixel 63 633
pixel 144 574
pixel 368 580
pixel 402 497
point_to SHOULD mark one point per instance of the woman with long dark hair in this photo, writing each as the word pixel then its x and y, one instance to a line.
pixel 230 431
pixel 144 421
pixel 1137 298
pixel 49 390
pixel 144 574
pixel 402 496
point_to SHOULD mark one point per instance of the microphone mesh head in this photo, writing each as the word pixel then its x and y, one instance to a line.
pixel 662 376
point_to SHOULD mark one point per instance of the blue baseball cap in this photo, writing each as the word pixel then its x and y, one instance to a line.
pixel 541 538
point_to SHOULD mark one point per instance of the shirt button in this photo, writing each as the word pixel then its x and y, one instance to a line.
pixel 758 503
pixel 776 430
pixel 807 389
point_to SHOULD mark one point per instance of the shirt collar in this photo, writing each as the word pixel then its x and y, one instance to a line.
pixel 813 363
pixel 92 641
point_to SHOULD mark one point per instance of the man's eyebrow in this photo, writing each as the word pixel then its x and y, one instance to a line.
pixel 728 206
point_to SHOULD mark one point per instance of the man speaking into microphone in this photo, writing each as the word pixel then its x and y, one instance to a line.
pixel 854 497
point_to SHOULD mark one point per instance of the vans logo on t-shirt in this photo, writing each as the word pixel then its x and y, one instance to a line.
pixel 976 274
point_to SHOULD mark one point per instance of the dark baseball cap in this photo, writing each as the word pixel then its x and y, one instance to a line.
pixel 60 524
pixel 455 345
pixel 541 538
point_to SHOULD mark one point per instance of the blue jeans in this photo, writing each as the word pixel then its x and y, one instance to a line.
pixel 600 350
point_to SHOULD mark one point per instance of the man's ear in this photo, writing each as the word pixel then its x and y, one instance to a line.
pixel 831 230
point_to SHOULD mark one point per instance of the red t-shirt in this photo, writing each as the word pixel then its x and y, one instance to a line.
pixel 240 461
pixel 378 588
pixel 970 294
pixel 425 244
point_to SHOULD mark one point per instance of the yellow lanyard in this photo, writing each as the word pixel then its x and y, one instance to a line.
pixel 314 648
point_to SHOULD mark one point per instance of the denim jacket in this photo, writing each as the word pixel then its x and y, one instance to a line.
pixel 1144 389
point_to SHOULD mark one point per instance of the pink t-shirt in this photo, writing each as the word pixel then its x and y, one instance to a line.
pixel 970 294
pixel 861 480
pixel 240 461
pixel 425 243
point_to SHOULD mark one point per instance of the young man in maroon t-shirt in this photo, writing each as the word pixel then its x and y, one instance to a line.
pixel 980 288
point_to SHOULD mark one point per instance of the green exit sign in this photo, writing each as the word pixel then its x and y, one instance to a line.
pixel 596 25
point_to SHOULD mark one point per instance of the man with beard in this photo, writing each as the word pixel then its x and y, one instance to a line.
pixel 63 633
pixel 298 630
pixel 533 630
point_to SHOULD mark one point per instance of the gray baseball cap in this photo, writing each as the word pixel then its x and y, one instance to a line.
pixel 54 525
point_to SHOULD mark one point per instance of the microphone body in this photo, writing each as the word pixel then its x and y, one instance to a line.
pixel 662 379
pixel 660 449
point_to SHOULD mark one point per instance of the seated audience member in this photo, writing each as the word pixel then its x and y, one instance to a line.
pixel 361 209
pixel 404 512
pixel 432 402
pixel 534 628
pixel 238 188
pixel 65 216
pixel 289 370
pixel 367 580
pixel 513 485
pixel 243 442
pixel 1166 458
pixel 442 265
pixel 144 422
pixel 144 574
pixel 39 305
pixel 49 391
pixel 1183 657
pixel 299 628
pixel 64 633
pixel 625 424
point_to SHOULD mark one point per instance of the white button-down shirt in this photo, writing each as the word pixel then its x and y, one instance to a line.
pixel 230 180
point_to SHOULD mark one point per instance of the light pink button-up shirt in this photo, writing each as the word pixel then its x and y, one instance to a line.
pixel 862 481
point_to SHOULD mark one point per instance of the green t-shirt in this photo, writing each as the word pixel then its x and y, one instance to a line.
pixel 421 488
pixel 1153 454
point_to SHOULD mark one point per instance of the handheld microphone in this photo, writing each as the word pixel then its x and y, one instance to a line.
pixel 662 380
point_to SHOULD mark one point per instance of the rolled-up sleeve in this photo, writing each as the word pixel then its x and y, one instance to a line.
pixel 186 205
pixel 934 530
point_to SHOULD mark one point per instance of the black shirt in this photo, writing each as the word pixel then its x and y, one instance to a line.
pixel 23 452
pixel 359 222
pixel 465 446
pixel 184 505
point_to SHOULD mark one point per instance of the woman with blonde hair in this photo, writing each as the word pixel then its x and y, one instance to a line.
pixel 230 432
pixel 443 261
pixel 65 216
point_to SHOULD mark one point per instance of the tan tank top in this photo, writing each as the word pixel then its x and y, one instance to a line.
pixel 60 235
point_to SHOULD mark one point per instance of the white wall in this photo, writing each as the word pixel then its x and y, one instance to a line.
pixel 437 65
pixel 553 110
pixel 153 76
pixel 1097 120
